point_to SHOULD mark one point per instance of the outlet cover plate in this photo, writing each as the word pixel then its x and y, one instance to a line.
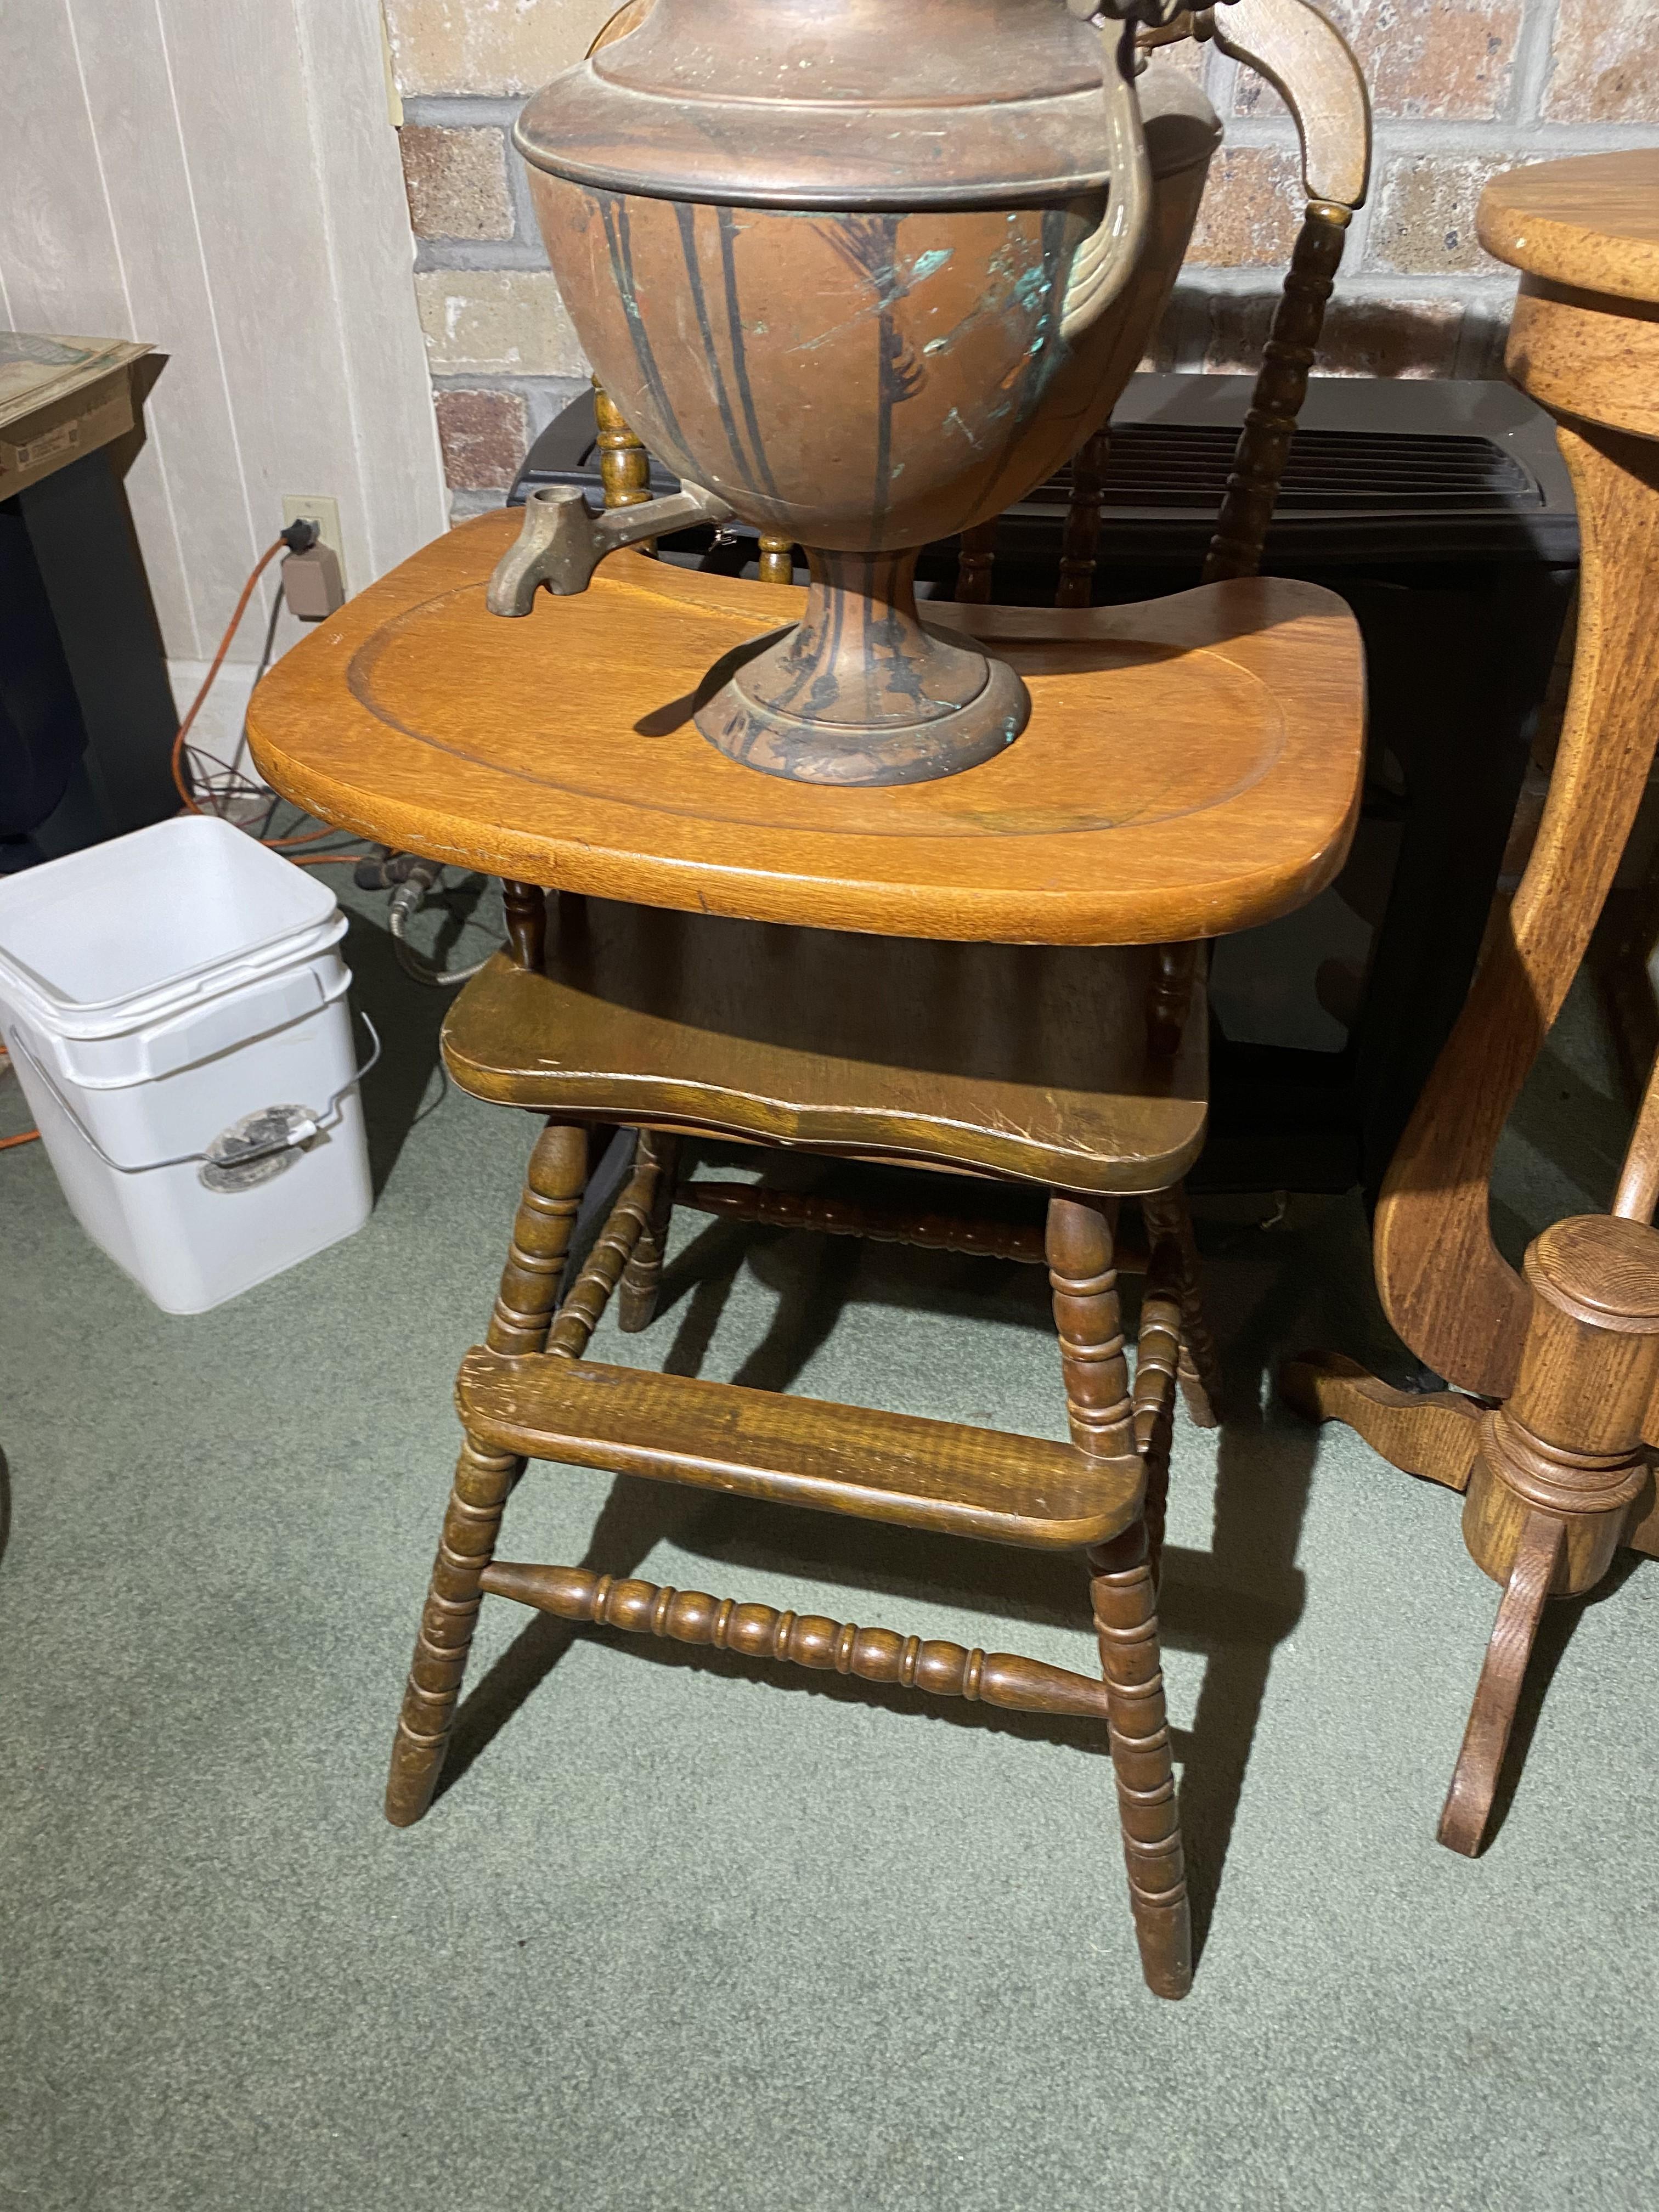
pixel 317 507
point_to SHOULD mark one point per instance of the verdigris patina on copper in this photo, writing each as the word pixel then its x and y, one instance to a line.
pixel 862 273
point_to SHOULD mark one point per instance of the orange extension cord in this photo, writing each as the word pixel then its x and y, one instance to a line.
pixel 29 1136
pixel 192 805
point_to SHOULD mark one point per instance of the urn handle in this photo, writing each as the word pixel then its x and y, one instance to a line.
pixel 1105 261
pixel 561 541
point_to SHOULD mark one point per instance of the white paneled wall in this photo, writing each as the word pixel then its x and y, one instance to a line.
pixel 221 177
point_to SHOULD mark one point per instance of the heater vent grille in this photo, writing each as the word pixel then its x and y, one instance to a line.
pixel 1184 466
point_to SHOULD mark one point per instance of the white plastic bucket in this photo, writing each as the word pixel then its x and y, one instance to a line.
pixel 159 994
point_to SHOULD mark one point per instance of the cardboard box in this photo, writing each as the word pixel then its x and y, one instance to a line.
pixel 60 398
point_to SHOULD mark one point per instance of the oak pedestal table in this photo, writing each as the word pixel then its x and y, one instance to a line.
pixel 1556 1369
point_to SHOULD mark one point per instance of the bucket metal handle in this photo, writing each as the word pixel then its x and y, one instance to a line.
pixel 301 1133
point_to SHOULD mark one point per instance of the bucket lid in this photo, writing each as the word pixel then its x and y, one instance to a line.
pixel 126 931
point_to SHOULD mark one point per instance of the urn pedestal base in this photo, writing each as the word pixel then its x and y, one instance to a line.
pixel 861 692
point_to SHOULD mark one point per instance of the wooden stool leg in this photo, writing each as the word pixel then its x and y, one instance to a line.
pixel 1100 1413
pixel 483 1479
pixel 1199 1369
pixel 1469 1802
pixel 1158 1354
pixel 636 1294
pixel 1080 1248
pixel 1126 1622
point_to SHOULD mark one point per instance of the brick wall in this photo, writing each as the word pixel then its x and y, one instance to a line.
pixel 1462 88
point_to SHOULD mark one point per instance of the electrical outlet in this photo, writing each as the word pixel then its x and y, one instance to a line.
pixel 316 507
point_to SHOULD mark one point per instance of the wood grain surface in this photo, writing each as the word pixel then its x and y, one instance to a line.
pixel 1435 1434
pixel 1191 766
pixel 1592 221
pixel 1587 353
pixel 798 1451
pixel 1445 1287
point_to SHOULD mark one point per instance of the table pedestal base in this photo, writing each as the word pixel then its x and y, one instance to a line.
pixel 1555 1478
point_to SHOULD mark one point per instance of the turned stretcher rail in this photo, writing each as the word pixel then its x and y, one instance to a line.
pixel 807 1639
pixel 837 1217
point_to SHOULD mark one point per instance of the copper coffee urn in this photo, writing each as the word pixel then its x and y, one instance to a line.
pixel 862 273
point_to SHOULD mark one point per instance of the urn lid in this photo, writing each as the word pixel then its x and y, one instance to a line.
pixel 850 104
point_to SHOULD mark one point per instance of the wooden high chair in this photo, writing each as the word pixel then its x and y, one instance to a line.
pixel 994 974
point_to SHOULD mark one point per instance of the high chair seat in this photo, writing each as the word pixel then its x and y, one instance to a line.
pixel 1024 1061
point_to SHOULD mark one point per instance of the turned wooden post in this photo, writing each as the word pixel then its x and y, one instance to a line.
pixel 1560 1465
pixel 1158 1354
pixel 641 1279
pixel 1264 444
pixel 483 1479
pixel 1079 546
pixel 1101 1415
pixel 1083 1277
pixel 805 1639
pixel 1125 1605
pixel 777 559
pixel 1568 1443
pixel 976 558
pixel 1169 996
pixel 1198 1368
pixel 624 465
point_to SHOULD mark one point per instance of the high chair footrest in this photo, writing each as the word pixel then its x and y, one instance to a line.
pixel 798 1451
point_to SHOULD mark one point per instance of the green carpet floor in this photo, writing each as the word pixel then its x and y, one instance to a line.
pixel 683 1934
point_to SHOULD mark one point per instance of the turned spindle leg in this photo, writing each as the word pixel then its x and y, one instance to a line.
pixel 636 1294
pixel 1264 443
pixel 1082 1276
pixel 1100 1413
pixel 1126 1622
pixel 1199 1369
pixel 975 561
pixel 1157 1354
pixel 1079 545
pixel 483 1479
pixel 1170 997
